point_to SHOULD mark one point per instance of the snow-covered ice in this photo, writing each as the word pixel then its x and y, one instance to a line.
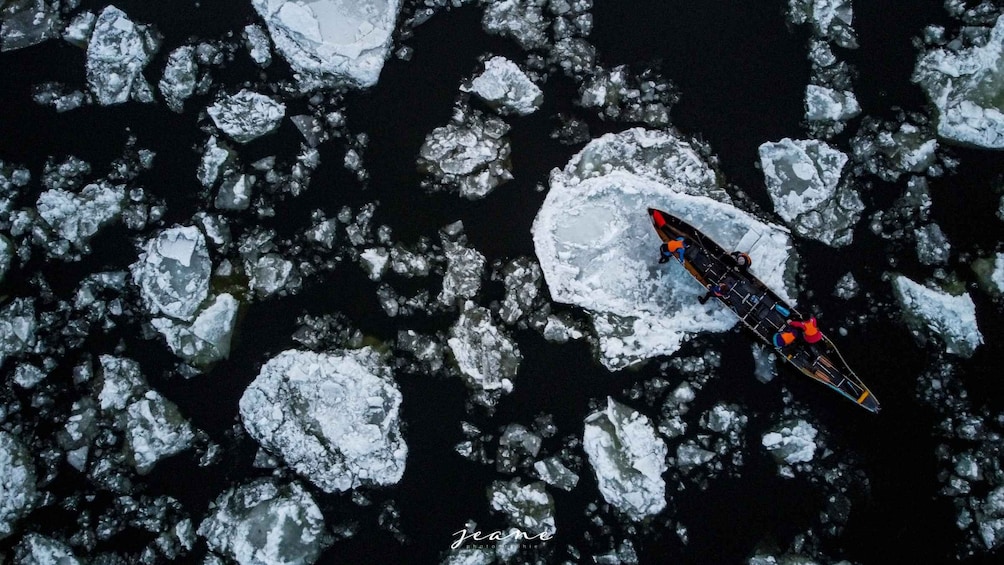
pixel 180 74
pixel 173 272
pixel 332 42
pixel 17 482
pixel 826 104
pixel 598 251
pixel 470 154
pixel 117 53
pixel 933 313
pixel 932 245
pixel 247 115
pixel 966 86
pixel 263 522
pixel 553 472
pixel 28 22
pixel 36 549
pixel 333 417
pixel 528 506
pixel 803 179
pixel 75 217
pixel 258 45
pixel 506 88
pixel 207 339
pixel 628 459
pixel 830 19
pixel 792 443
pixel 18 326
pixel 487 358
pixel 465 267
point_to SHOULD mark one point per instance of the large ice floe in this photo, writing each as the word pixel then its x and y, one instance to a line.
pixel 966 86
pixel 24 23
pixel 333 417
pixel 266 523
pixel 247 115
pixel 628 459
pixel 598 250
pixel 803 179
pixel 330 42
pixel 17 482
pixel 932 313
pixel 117 53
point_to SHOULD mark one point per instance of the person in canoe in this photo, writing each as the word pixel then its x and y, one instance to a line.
pixel 742 260
pixel 810 330
pixel 716 290
pixel 673 248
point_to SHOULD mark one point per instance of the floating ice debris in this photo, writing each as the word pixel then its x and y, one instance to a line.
pixel 36 549
pixel 966 86
pixel 826 104
pixel 76 217
pixel 506 88
pixel 517 448
pixel 553 472
pixel 6 254
pixel 180 75
pixel 272 274
pixel 17 328
pixel 522 278
pixel 78 31
pixel 173 273
pixel 207 339
pixel 217 158
pixel 890 149
pixel 17 483
pixel 332 417
pixel 247 115
pixel 932 245
pixel 24 23
pixel 830 19
pixel 764 363
pixel 154 427
pixel 792 443
pixel 470 154
pixel 989 272
pixel 803 179
pixel 258 45
pixel 628 459
pixel 847 287
pixel 464 269
pixel 118 52
pixel 932 313
pixel 264 522
pixel 487 359
pixel 235 193
pixel 597 250
pixel 332 42
pixel 529 507
pixel 620 95
pixel 523 20
pixel 57 96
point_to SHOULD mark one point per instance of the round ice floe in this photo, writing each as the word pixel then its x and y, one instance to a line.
pixel 173 272
pixel 332 417
pixel 597 248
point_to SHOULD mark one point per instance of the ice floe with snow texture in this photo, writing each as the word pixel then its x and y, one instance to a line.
pixel 330 42
pixel 967 88
pixel 598 251
pixel 933 313
pixel 333 417
pixel 117 53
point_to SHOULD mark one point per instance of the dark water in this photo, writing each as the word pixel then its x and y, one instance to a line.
pixel 741 74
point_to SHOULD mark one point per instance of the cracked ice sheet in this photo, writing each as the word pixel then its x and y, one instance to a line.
pixel 598 250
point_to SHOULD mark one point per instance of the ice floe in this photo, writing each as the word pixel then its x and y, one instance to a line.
pixel 17 482
pixel 332 42
pixel 803 179
pixel 506 88
pixel 333 417
pixel 173 272
pixel 528 506
pixel 966 86
pixel 470 154
pixel 932 313
pixel 247 115
pixel 598 251
pixel 117 53
pixel 488 359
pixel 24 23
pixel 628 459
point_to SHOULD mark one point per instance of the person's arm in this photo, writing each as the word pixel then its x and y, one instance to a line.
pixel 797 324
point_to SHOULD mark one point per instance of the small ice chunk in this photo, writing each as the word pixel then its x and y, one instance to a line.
pixel 6 254
pixel 529 507
pixel 847 287
pixel 488 359
pixel 258 45
pixel 932 313
pixel 932 245
pixel 506 88
pixel 470 154
pixel 826 104
pixel 247 115
pixel 374 261
pixel 180 74
pixel 792 443
pixel 27 22
pixel 118 52
pixel 155 429
pixel 77 217
pixel 464 268
pixel 207 339
pixel 553 472
pixel 273 274
pixel 17 328
pixel 36 549
pixel 17 483
pixel 333 417
pixel 265 522
pixel 628 459
pixel 173 272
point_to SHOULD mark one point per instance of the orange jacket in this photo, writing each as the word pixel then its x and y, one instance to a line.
pixel 782 339
pixel 810 331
